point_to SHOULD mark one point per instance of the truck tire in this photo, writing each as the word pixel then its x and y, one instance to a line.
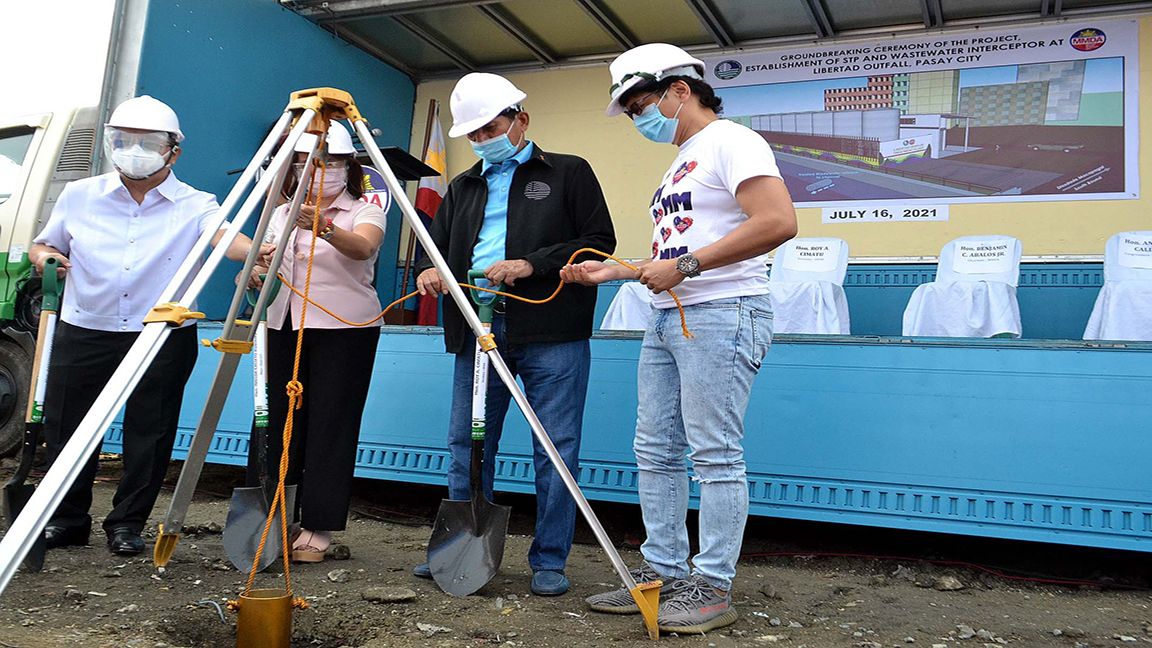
pixel 15 376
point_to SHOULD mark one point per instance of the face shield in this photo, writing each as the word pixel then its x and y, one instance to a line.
pixel 327 178
pixel 329 166
pixel 137 155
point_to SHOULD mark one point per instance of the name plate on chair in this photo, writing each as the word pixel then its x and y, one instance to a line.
pixel 982 257
pixel 813 257
pixel 1135 252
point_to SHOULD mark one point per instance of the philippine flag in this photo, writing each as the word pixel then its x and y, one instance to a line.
pixel 429 195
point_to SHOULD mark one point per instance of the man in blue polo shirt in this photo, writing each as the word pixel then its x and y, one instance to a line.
pixel 519 214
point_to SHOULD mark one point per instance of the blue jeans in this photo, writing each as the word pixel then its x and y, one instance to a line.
pixel 555 377
pixel 692 397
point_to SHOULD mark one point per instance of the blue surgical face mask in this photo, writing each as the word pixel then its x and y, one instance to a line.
pixel 654 125
pixel 496 149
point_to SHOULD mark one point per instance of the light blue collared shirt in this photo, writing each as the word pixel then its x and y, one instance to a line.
pixel 123 254
pixel 494 231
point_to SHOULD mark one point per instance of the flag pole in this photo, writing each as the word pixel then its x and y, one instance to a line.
pixel 411 234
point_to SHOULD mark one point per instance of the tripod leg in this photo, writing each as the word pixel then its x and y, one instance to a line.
pixel 234 331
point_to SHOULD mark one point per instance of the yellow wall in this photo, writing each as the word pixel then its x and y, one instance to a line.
pixel 567 115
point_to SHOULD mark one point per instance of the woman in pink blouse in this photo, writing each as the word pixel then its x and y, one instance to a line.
pixel 337 358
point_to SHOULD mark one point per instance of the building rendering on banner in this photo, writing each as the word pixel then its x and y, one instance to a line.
pixel 955 128
pixel 882 91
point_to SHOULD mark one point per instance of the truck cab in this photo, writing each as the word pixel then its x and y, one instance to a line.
pixel 39 154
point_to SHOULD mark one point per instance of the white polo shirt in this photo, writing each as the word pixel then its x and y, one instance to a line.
pixel 123 254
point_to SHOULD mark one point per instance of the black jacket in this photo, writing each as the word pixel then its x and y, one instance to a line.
pixel 555 207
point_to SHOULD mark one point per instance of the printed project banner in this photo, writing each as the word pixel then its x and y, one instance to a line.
pixel 1026 113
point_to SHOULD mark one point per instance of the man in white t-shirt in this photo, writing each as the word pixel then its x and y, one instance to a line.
pixel 717 212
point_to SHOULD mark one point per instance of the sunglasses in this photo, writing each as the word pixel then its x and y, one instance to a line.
pixel 635 107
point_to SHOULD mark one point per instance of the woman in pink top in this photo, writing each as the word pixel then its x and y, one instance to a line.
pixel 337 358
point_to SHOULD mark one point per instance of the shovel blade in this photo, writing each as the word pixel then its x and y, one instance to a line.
pixel 247 513
pixel 467 544
pixel 16 496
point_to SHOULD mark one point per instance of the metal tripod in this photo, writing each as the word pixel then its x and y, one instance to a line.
pixel 312 110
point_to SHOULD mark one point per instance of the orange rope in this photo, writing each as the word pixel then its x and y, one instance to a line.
pixel 295 391
pixel 559 287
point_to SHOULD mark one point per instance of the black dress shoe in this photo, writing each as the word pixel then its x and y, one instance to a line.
pixel 125 542
pixel 63 536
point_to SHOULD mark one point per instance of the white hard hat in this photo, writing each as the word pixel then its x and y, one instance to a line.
pixel 651 62
pixel 478 98
pixel 146 113
pixel 339 141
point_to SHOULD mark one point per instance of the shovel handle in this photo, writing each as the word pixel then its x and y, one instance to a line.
pixel 486 301
pixel 260 374
pixel 253 296
pixel 51 285
pixel 480 391
pixel 50 288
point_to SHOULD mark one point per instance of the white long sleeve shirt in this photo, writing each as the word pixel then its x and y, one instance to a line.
pixel 123 254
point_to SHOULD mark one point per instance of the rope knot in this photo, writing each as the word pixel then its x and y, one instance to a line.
pixel 294 388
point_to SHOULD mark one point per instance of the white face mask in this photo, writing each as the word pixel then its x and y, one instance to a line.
pixel 335 182
pixel 136 163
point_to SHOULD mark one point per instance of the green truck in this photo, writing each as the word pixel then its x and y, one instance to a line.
pixel 39 154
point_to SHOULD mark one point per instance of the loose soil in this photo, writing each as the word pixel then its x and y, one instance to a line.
pixel 800 585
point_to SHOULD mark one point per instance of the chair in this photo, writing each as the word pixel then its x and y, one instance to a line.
pixel 974 294
pixel 1123 309
pixel 629 309
pixel 806 287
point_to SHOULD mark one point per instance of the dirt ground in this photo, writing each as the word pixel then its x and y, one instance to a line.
pixel 800 585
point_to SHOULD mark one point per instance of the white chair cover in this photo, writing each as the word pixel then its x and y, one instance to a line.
pixel 806 287
pixel 809 307
pixel 974 294
pixel 629 309
pixel 1123 309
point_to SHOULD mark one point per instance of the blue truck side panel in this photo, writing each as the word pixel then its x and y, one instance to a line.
pixel 228 66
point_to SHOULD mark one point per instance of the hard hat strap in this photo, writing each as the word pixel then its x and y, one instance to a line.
pixel 647 76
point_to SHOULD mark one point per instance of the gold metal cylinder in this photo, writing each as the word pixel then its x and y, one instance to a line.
pixel 264 619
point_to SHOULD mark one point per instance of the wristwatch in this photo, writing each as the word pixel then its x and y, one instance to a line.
pixel 688 265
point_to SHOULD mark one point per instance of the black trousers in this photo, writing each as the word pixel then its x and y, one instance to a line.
pixel 336 370
pixel 83 360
